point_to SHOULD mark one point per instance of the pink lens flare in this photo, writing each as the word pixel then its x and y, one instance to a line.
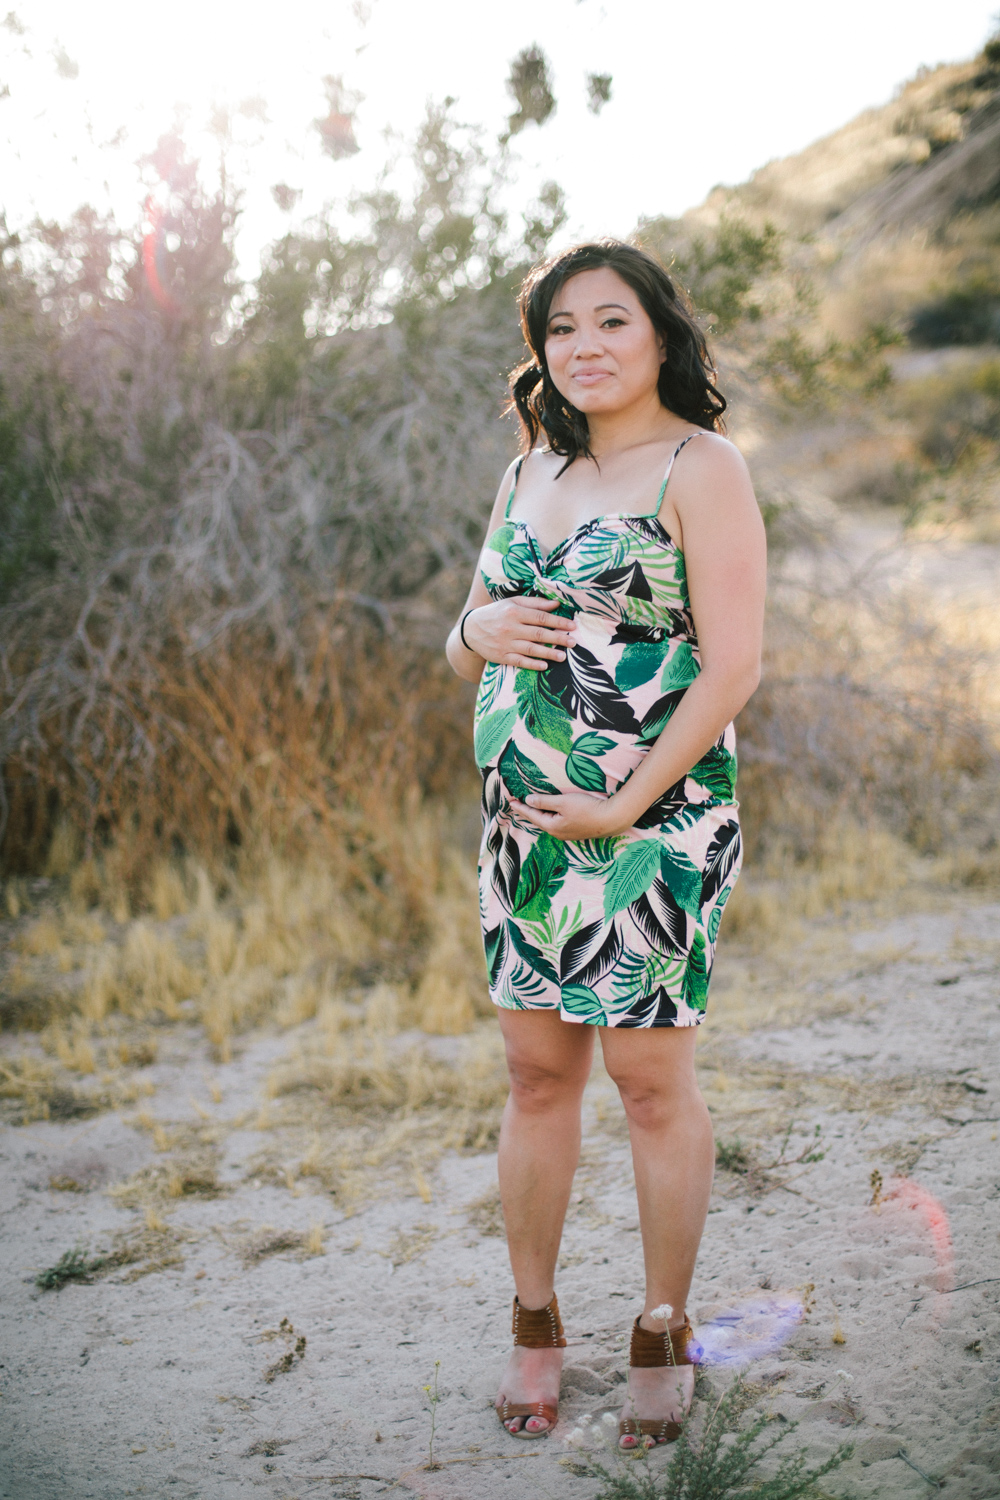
pixel 913 1213
pixel 909 1197
pixel 152 256
pixel 755 1324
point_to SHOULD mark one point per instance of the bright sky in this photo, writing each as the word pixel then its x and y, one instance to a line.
pixel 701 93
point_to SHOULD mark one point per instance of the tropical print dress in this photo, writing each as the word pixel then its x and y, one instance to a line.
pixel 616 931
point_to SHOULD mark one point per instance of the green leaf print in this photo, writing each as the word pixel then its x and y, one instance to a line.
pixel 532 956
pixel 716 771
pixel 580 1000
pixel 581 769
pixel 592 858
pixel 545 718
pixel 638 974
pixel 682 878
pixel 633 871
pixel 680 670
pixel 489 686
pixel 502 539
pixel 492 733
pixel 593 743
pixel 521 775
pixel 542 875
pixel 713 923
pixel 696 978
pixel 686 818
pixel 585 773
pixel 598 551
pixel 640 661
pixel 548 932
pixel 519 565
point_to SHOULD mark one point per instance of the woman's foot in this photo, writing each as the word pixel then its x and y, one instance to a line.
pixel 663 1394
pixel 531 1376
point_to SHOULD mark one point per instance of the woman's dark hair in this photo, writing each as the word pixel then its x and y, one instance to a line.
pixel 685 383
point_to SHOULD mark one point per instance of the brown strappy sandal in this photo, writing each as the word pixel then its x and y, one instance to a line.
pixel 651 1351
pixel 539 1328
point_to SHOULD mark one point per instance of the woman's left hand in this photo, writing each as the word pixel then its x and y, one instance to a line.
pixel 572 815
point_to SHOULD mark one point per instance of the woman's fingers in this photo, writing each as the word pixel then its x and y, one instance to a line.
pixel 544 802
pixel 519 632
pixel 532 611
pixel 534 815
pixel 536 646
pixel 548 629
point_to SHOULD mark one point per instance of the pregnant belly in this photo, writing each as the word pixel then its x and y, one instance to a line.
pixel 580 725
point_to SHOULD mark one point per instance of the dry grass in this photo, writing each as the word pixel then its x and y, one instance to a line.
pixel 193 1172
pixel 361 1112
pixel 410 1244
pixel 486 1215
pixel 33 1089
pixel 267 1241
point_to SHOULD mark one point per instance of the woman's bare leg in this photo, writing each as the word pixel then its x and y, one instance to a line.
pixel 673 1155
pixel 549 1062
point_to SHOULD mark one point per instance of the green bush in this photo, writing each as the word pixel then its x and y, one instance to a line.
pixel 721 1463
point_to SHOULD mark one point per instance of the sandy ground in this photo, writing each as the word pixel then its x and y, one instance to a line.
pixel 155 1385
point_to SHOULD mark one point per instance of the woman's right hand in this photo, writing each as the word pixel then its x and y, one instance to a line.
pixel 519 633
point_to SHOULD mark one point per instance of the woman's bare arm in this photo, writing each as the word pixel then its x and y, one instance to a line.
pixel 514 632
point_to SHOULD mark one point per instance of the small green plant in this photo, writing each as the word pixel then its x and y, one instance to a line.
pixel 74 1265
pixel 720 1463
pixel 433 1397
pixel 284 1364
pixel 806 1157
pixel 732 1156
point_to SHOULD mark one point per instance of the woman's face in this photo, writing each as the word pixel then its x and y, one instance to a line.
pixel 602 351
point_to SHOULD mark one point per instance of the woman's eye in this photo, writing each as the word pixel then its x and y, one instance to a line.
pixel 560 328
pixel 613 323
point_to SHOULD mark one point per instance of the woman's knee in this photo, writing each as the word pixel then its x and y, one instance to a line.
pixel 548 1060
pixel 537 1087
pixel 654 1101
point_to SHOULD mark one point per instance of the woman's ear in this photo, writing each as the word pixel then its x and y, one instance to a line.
pixel 662 346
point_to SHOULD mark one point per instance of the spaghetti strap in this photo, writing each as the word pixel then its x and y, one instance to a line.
pixel 670 464
pixel 513 488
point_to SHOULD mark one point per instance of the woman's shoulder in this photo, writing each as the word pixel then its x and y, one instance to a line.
pixel 536 467
pixel 712 456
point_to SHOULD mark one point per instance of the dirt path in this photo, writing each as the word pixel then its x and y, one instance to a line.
pixel 186 1382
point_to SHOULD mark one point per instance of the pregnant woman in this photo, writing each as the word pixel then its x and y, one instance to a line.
pixel 614 628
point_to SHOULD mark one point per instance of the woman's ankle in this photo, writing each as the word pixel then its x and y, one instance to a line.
pixel 533 1300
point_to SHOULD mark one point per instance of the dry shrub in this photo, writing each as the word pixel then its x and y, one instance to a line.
pixel 452 990
pixel 253 747
pixel 168 893
pixel 868 715
pixel 64 850
pixel 815 869
pixel 152 974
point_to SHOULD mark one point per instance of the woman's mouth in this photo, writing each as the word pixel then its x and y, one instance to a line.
pixel 591 377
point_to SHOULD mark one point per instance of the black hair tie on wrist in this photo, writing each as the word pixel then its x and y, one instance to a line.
pixel 461 631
